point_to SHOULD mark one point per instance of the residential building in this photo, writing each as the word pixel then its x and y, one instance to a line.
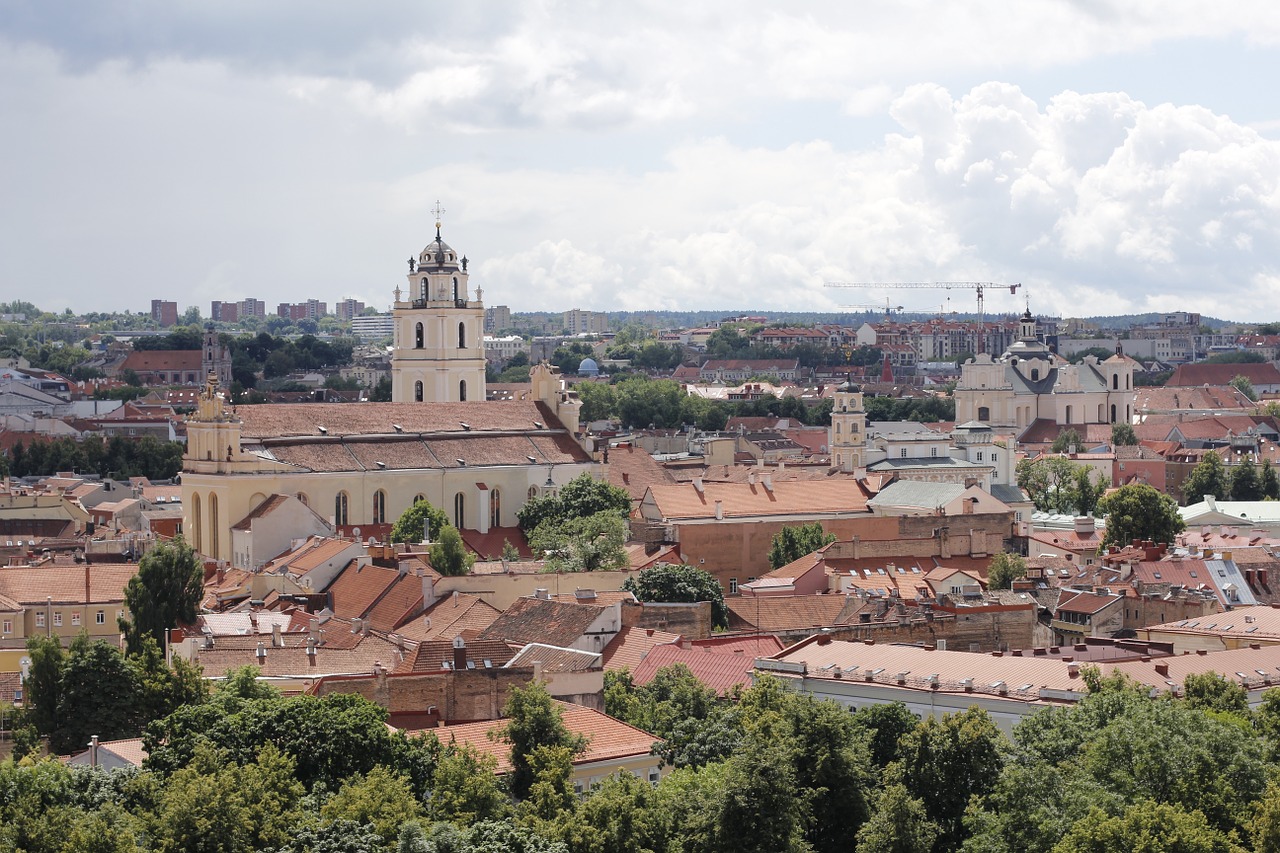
pixel 252 307
pixel 224 312
pixel 496 318
pixel 164 313
pixel 373 327
pixel 502 349
pixel 348 309
pixel 578 322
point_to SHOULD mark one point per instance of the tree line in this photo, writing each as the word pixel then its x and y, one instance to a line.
pixel 765 770
pixel 115 457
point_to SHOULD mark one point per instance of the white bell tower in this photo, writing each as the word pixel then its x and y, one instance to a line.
pixel 438 355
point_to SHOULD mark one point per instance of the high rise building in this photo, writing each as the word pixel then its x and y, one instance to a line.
pixel 348 308
pixel 224 312
pixel 496 319
pixel 164 313
pixel 578 322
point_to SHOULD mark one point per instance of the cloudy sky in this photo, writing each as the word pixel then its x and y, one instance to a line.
pixel 1112 157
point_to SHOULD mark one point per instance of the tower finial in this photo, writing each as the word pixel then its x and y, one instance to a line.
pixel 439 212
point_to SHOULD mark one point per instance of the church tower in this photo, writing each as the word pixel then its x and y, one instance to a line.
pixel 847 435
pixel 215 357
pixel 438 355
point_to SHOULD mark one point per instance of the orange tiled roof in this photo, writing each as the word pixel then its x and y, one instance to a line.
pixel 450 617
pixel 274 421
pixel 631 645
pixel 535 620
pixel 355 590
pixel 97 583
pixel 719 670
pixel 815 497
pixel 432 655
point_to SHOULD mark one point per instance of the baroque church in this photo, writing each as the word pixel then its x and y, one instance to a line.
pixel 363 464
pixel 1029 383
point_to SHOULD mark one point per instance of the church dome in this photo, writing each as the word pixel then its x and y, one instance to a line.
pixel 588 367
pixel 438 255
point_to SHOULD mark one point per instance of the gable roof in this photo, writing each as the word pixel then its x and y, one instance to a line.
pixel 719 670
pixel 630 646
pixel 1264 373
pixel 786 497
pixel 536 620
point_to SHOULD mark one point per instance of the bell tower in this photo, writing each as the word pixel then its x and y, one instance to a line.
pixel 438 353
pixel 847 435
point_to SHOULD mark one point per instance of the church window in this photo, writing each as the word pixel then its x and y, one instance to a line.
pixel 340 509
pixel 213 525
pixel 1115 381
pixel 417 391
pixel 1127 379
pixel 1113 414
pixel 902 452
pixel 462 390
pixel 417 336
pixel 984 413
pixel 1068 414
pixel 495 508
pixel 1035 374
pixel 533 492
pixel 195 520
pixel 459 510
pixel 462 336
pixel 379 507
pixel 837 427
pixel 419 498
pixel 455 289
pixel 302 496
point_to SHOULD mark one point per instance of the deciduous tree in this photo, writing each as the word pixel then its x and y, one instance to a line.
pixel 1209 477
pixel 412 524
pixel 1004 569
pixel 165 592
pixel 449 556
pixel 594 543
pixel 795 541
pixel 1137 511
pixel 676 583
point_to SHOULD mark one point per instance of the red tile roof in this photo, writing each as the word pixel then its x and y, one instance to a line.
pixel 534 620
pixel 631 645
pixel 97 583
pixel 719 670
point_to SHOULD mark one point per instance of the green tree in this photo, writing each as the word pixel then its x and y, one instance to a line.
pixel 944 762
pixel 165 592
pixel 884 725
pixel 381 392
pixel 534 722
pixel 1149 826
pixel 1122 435
pixel 1209 691
pixel 1245 485
pixel 411 525
pixel 1209 477
pixel 795 541
pixel 1004 569
pixel 449 556
pixel 1137 511
pixel 464 788
pixel 594 543
pixel 1068 441
pixel 1236 357
pixel 99 696
pixel 1268 482
pixel 43 683
pixel 1245 387
pixel 899 824
pixel 759 810
pixel 582 496
pixel 675 583
pixel 382 799
pixel 1056 484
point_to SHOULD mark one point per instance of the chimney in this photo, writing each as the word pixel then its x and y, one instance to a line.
pixel 1073 670
pixel 428 590
pixel 1085 525
pixel 459 654
pixel 543 593
pixel 311 652
pixel 1162 670
pixel 697 485
pixel 262 654
pixel 93 751
pixel 719 510
pixel 277 641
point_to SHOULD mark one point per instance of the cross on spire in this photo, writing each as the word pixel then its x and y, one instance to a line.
pixel 439 212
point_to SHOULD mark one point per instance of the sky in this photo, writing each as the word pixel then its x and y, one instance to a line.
pixel 1111 157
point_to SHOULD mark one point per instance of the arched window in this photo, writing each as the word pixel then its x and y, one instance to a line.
pixel 302 496
pixel 1068 414
pixel 495 508
pixel 1113 413
pixel 1127 379
pixel 1100 415
pixel 533 492
pixel 984 413
pixel 379 507
pixel 837 427
pixel 459 509
pixel 195 524
pixel 419 498
pixel 462 390
pixel 417 391
pixel 462 336
pixel 1115 382
pixel 340 509
pixel 213 525
pixel 455 288
pixel 417 336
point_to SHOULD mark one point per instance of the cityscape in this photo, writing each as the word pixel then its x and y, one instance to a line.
pixel 521 428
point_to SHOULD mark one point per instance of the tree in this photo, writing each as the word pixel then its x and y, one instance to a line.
pixel 381 392
pixel 1058 484
pixel 675 583
pixel 1122 435
pixel 1068 441
pixel 44 683
pixel 885 726
pixel 464 788
pixel 591 544
pixel 99 697
pixel 1268 482
pixel 1004 569
pixel 1137 511
pixel 1245 485
pixel 582 496
pixel 449 556
pixel 1244 386
pixel 759 810
pixel 795 541
pixel 534 722
pixel 1209 477
pixel 382 799
pixel 1146 825
pixel 411 525
pixel 899 824
pixel 166 591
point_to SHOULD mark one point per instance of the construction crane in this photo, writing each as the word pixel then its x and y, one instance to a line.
pixel 980 287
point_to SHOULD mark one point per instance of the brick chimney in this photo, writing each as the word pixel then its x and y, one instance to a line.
pixel 459 653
